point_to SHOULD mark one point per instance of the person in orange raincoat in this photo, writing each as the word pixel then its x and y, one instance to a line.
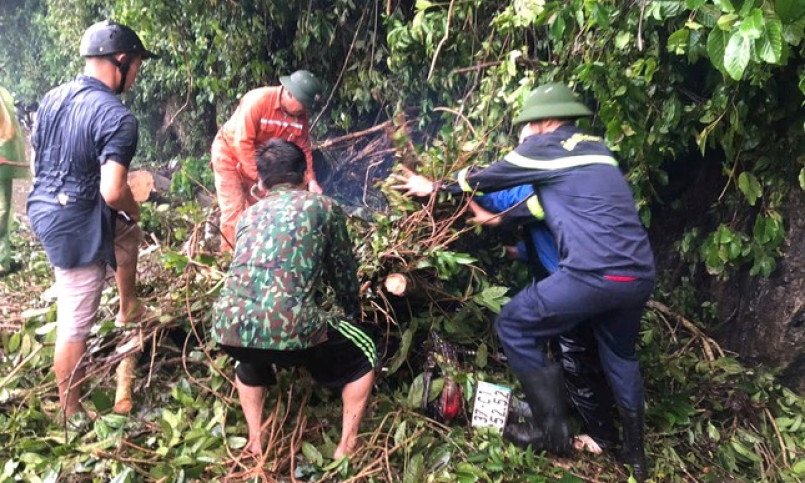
pixel 264 113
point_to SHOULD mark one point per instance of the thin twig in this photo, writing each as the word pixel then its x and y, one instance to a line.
pixel 441 42
pixel 352 136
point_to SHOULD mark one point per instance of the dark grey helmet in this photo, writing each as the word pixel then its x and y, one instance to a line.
pixel 109 37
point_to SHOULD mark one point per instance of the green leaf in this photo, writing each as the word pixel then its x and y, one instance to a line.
pixel 669 8
pixel 793 32
pixel 736 55
pixel 435 390
pixel 464 259
pixel 789 10
pixel 14 342
pixel 402 354
pixel 101 400
pixel 752 26
pixel 417 391
pixel 750 187
pixel 124 476
pixel 694 4
pixel 678 41
pixel 802 178
pixel 415 469
pixel 557 28
pixel 400 433
pixel 763 266
pixel 312 454
pixel 770 45
pixel 481 356
pixel 724 5
pixel 236 442
pixel 622 40
pixel 745 452
pixel 716 46
pixel 725 22
pixel 423 5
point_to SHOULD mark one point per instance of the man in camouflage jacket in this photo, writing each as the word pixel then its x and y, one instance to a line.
pixel 288 246
pixel 12 165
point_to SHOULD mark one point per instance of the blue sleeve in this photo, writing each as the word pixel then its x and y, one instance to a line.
pixel 522 251
pixel 116 137
pixel 547 252
pixel 499 201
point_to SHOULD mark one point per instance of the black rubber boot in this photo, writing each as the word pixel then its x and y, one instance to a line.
pixel 522 434
pixel 544 390
pixel 633 451
pixel 520 429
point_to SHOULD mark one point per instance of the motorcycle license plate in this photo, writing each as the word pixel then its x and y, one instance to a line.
pixel 491 406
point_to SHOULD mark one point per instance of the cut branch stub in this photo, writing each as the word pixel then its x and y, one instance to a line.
pixel 141 183
pixel 403 285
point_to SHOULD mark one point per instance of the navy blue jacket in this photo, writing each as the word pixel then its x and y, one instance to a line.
pixel 582 195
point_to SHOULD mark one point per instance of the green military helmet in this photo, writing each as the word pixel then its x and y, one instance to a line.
pixel 305 87
pixel 554 100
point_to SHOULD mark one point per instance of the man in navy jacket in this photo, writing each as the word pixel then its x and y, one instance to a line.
pixel 576 350
pixel 606 268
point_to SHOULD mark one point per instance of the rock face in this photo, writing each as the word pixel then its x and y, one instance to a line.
pixel 764 319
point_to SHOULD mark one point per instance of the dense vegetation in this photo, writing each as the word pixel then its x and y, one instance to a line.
pixel 678 87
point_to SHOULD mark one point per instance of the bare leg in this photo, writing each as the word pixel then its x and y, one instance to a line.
pixel 65 360
pixel 251 400
pixel 355 395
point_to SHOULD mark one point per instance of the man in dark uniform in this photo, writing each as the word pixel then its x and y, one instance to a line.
pixel 576 350
pixel 606 268
pixel 80 205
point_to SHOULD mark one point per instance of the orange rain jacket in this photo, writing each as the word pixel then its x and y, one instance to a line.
pixel 257 119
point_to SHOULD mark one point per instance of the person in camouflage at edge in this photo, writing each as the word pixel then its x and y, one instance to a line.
pixel 288 246
pixel 12 165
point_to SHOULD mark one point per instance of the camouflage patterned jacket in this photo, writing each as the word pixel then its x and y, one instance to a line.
pixel 287 246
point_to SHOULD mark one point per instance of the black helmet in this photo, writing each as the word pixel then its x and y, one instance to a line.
pixel 110 37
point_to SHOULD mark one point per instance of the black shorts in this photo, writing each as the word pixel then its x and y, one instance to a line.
pixel 348 354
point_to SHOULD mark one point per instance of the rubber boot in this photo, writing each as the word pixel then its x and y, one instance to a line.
pixel 633 451
pixel 520 429
pixel 544 390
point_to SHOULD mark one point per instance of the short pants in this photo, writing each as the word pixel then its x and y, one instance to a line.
pixel 79 289
pixel 348 354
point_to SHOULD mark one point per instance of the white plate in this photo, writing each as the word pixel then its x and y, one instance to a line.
pixel 491 405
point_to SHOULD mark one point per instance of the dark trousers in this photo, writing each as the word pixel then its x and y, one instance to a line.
pixel 564 300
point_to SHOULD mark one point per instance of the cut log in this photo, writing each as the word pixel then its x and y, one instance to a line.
pixel 125 384
pixel 141 183
pixel 403 285
pixel 144 183
pixel 396 284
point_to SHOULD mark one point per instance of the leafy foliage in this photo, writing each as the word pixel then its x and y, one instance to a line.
pixel 680 88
